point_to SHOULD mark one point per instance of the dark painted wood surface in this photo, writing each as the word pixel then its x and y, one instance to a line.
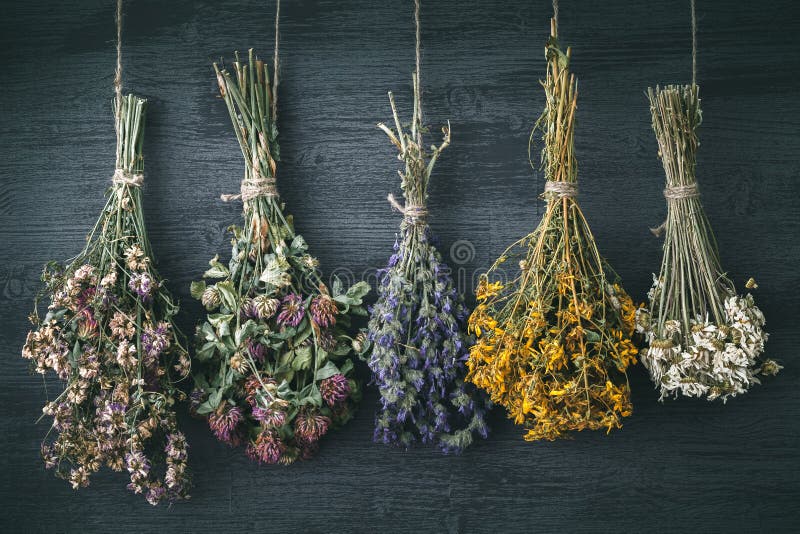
pixel 674 467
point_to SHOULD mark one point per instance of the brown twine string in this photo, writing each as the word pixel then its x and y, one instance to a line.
pixel 561 189
pixel 253 187
pixel 118 72
pixel 418 58
pixel 681 191
pixel 413 213
pixel 694 44
pixel 555 15
pixel 124 177
pixel 673 194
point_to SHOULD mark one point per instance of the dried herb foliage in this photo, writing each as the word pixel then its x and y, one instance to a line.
pixel 553 341
pixel 704 339
pixel 108 336
pixel 417 326
pixel 275 368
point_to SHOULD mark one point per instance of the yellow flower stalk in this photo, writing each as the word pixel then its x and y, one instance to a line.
pixel 553 337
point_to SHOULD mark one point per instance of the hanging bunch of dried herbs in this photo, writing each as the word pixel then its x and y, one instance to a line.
pixel 108 335
pixel 416 328
pixel 553 341
pixel 274 371
pixel 704 339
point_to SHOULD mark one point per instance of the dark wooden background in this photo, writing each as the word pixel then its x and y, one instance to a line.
pixel 678 466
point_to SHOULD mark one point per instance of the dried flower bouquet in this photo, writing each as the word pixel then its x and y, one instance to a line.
pixel 417 326
pixel 553 342
pixel 274 369
pixel 108 335
pixel 704 339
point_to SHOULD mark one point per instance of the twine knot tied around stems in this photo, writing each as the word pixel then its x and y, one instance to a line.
pixel 413 213
pixel 673 193
pixel 124 177
pixel 555 189
pixel 253 187
pixel 678 192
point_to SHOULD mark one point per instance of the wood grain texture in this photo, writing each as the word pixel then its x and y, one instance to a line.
pixel 686 465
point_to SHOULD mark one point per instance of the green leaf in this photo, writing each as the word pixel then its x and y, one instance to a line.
pixel 327 371
pixel 358 310
pixel 227 293
pixel 245 331
pixel 358 291
pixel 204 408
pixel 206 352
pixel 303 334
pixel 215 398
pixel 217 270
pixel 337 286
pixel 302 358
pixel 298 245
pixel 346 367
pixel 313 397
pixel 196 289
pixel 221 322
pixel 76 352
pixel 208 332
pixel 273 273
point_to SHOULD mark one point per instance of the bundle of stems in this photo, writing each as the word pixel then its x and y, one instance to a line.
pixel 274 369
pixel 704 339
pixel 108 335
pixel 419 343
pixel 553 339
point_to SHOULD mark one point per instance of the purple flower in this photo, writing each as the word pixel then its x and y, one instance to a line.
pixel 256 350
pixel 176 446
pixel 155 494
pixel 269 417
pixel 155 340
pixel 196 398
pixel 85 297
pixel 292 311
pixel 335 389
pixel 143 285
pixel 249 310
pixel 266 449
pixel 310 427
pixel 323 311
pixel 326 341
pixel 225 425
pixel 137 464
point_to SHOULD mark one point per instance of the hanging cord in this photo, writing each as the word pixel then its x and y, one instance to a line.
pixel 121 176
pixel 118 72
pixel 417 83
pixel 414 214
pixel 694 44
pixel 555 16
pixel 276 62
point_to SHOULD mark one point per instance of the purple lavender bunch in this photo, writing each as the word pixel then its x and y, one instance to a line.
pixel 419 349
pixel 417 327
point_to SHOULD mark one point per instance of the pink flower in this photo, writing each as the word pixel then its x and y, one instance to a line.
pixel 335 389
pixel 266 449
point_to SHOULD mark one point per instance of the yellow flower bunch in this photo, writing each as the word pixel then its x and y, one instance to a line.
pixel 553 339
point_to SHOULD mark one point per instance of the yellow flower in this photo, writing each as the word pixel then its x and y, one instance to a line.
pixel 486 289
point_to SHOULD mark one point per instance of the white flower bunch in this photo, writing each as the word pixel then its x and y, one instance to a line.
pixel 703 358
pixel 704 339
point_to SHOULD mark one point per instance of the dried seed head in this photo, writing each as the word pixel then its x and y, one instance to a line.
pixel 210 297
